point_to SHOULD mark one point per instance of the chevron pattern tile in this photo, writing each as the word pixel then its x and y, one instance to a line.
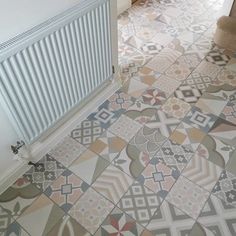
pixel 202 172
pixel 112 183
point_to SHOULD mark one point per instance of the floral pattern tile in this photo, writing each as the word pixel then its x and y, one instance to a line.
pixel 200 119
pixel 154 97
pixel 112 183
pixel 227 77
pixel 218 90
pixel 176 107
pixel 18 197
pixel 158 177
pixel 174 156
pixel 229 112
pixel 185 134
pixel 66 190
pixel 47 170
pixel 5 220
pixel 225 188
pixel 108 146
pixel 169 220
pixel 188 197
pixel 89 161
pixel 15 229
pixel 41 216
pixel 140 203
pixel 117 222
pixel 91 210
pixel 125 128
pixel 67 151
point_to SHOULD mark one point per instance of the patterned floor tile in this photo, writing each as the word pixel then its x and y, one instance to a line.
pixel 176 107
pixel 218 217
pixel 225 188
pixel 185 134
pixel 18 197
pixel 174 156
pixel 164 123
pixel 225 131
pixel 134 88
pixel 5 220
pixel 66 190
pixel 15 229
pixel 91 210
pixel 229 112
pixel 108 146
pixel 47 170
pixel 188 197
pixel 217 58
pixel 162 38
pixel 87 132
pixel 153 97
pixel 192 60
pixel 231 165
pixel 170 221
pixel 215 151
pixel 112 183
pixel 199 230
pixel 151 48
pixel 125 128
pixel 202 172
pixel 67 151
pixel 40 217
pixel 89 161
pixel 140 203
pixel 178 71
pixel 227 77
pixel 188 94
pixel 224 91
pixel 158 177
pixel 199 119
pixel 119 223
pixel 166 84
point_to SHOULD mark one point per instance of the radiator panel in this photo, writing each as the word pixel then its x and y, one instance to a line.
pixel 48 78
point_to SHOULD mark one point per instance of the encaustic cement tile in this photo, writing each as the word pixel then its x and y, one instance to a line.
pixel 67 151
pixel 40 217
pixel 18 197
pixel 112 183
pixel 89 161
pixel 66 190
pixel 170 221
pixel 140 203
pixel 218 217
pixel 108 146
pixel 15 229
pixel 227 77
pixel 91 210
pixel 188 197
pixel 47 170
pixel 229 112
pixel 119 223
pixel 5 220
pixel 200 230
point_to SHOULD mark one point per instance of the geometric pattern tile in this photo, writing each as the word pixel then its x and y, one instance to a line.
pixel 225 131
pixel 67 151
pixel 200 119
pixel 229 112
pixel 108 146
pixel 176 107
pixel 217 58
pixel 158 177
pixel 67 226
pixel 215 151
pixel 89 161
pixel 47 170
pixel 66 190
pixel 15 229
pixel 227 77
pixel 140 203
pixel 118 223
pixel 87 132
pixel 5 220
pixel 199 230
pixel 153 97
pixel 223 91
pixel 202 172
pixel 91 210
pixel 225 188
pixel 218 217
pixel 169 221
pixel 40 217
pixel 188 197
pixel 112 183
pixel 18 197
pixel 185 134
pixel 188 94
pixel 231 165
pixel 125 128
pixel 174 156
pixel 164 123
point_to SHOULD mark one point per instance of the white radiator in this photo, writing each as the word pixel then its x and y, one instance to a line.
pixel 47 72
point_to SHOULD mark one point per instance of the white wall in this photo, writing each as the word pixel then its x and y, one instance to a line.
pixel 225 11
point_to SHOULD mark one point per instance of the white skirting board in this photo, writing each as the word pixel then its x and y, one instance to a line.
pixel 46 143
pixel 123 5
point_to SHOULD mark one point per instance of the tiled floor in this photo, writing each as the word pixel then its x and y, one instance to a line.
pixel 156 158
